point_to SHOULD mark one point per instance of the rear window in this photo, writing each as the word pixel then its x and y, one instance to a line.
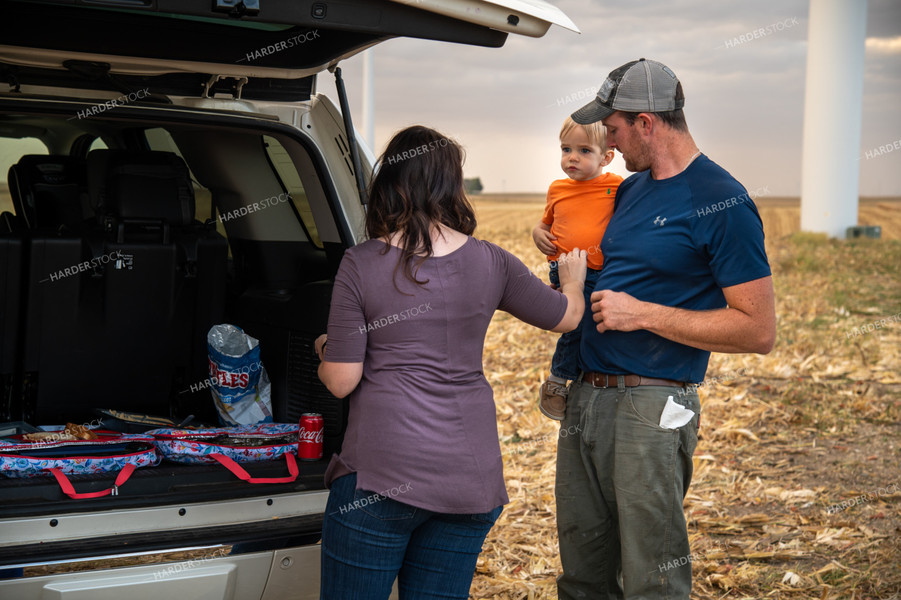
pixel 291 183
pixel 11 150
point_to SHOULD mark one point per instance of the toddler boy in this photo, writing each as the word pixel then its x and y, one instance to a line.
pixel 576 216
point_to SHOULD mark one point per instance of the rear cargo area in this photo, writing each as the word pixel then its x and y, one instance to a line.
pixel 115 261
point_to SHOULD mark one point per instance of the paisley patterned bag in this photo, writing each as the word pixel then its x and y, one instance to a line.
pixel 229 446
pixel 109 452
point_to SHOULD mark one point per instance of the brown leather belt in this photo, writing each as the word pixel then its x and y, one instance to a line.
pixel 603 380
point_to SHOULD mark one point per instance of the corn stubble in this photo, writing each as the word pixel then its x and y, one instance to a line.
pixel 785 438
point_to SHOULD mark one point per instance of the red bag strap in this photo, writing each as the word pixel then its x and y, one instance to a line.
pixel 69 490
pixel 240 473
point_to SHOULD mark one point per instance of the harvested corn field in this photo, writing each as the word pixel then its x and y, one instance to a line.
pixel 796 487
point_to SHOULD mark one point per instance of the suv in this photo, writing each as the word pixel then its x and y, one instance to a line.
pixel 188 175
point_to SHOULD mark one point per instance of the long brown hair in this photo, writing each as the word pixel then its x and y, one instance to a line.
pixel 418 185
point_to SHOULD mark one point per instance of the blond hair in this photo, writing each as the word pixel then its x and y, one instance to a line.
pixel 596 132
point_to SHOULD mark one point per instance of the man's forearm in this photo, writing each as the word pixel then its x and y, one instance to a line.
pixel 747 324
pixel 727 330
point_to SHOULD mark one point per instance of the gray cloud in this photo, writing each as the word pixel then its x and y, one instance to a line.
pixel 884 18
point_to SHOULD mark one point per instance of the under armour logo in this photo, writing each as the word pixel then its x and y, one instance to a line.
pixel 659 221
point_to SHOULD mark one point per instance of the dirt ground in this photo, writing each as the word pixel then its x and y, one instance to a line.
pixel 796 491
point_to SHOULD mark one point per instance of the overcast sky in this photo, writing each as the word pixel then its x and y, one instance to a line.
pixel 744 103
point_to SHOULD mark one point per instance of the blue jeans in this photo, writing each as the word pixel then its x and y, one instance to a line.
pixel 368 540
pixel 621 480
pixel 565 363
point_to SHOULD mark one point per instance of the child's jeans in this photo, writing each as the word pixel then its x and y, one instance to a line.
pixel 565 363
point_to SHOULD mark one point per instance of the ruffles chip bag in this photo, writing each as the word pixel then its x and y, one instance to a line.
pixel 239 383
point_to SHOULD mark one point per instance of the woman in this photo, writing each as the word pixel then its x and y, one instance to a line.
pixel 419 480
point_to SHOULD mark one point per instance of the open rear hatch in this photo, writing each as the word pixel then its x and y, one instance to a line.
pixel 187 47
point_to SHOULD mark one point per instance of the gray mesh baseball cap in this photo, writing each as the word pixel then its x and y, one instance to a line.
pixel 637 86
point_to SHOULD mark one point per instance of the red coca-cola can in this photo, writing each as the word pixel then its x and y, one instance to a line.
pixel 309 444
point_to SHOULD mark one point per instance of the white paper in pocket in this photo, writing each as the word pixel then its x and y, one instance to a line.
pixel 674 415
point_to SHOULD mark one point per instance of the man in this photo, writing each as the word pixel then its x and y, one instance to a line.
pixel 685 274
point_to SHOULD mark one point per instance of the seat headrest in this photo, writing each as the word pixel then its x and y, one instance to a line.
pixel 141 185
pixel 47 190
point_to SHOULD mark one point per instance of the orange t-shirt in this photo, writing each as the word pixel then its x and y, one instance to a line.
pixel 578 213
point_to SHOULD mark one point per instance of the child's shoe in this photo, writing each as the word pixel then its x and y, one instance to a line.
pixel 552 399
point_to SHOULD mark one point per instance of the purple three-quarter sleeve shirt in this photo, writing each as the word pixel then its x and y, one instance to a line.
pixel 422 426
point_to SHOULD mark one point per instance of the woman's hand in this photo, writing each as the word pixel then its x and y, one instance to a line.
pixel 319 346
pixel 572 268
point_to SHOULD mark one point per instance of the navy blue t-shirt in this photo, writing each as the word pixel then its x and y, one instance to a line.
pixel 675 242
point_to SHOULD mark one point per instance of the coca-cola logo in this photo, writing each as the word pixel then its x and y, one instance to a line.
pixel 310 436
